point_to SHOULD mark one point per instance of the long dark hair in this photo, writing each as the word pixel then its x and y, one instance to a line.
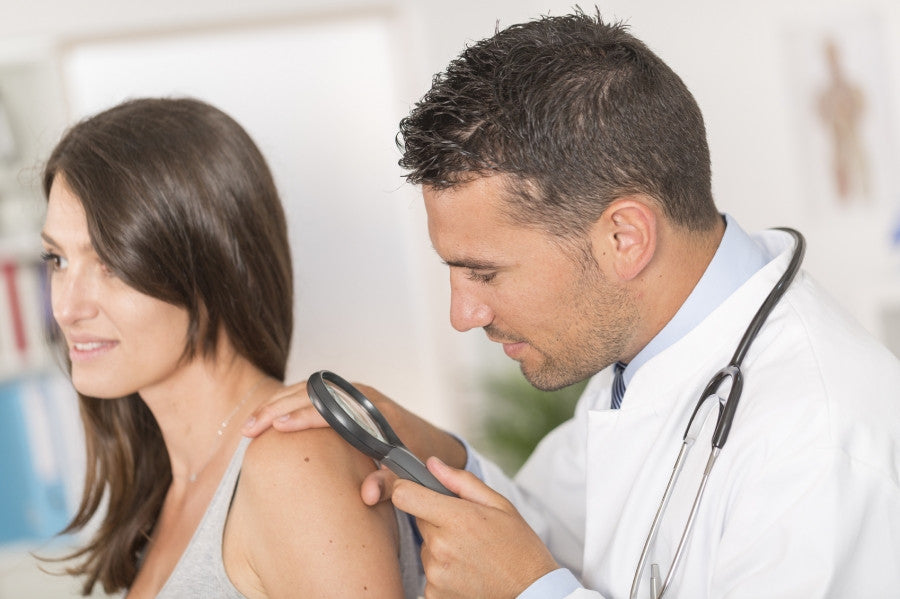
pixel 180 205
pixel 576 112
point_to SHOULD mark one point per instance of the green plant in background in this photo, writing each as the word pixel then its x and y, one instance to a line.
pixel 516 416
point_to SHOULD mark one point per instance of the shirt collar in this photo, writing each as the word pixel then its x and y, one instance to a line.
pixel 736 260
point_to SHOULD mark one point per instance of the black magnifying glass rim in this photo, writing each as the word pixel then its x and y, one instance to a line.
pixel 342 422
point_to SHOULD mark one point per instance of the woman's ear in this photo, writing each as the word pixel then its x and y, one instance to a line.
pixel 625 236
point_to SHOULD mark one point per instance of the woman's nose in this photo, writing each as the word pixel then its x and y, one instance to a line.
pixel 73 297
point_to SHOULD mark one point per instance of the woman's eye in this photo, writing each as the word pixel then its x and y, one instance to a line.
pixel 55 261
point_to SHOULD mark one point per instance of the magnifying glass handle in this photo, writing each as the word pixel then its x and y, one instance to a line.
pixel 405 465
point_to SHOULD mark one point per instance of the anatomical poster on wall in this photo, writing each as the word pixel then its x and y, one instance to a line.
pixel 839 83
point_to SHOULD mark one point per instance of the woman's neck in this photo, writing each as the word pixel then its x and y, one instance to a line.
pixel 199 410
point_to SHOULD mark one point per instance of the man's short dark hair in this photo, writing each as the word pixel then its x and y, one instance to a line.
pixel 575 112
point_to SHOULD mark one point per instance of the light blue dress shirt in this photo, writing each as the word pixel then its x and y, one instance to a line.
pixel 736 260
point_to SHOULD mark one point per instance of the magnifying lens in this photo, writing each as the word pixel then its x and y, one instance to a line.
pixel 358 421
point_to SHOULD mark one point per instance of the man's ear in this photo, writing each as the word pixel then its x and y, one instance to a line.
pixel 625 236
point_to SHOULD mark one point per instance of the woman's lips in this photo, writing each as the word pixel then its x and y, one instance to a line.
pixel 81 351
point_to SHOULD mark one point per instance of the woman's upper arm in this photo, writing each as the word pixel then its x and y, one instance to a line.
pixel 300 528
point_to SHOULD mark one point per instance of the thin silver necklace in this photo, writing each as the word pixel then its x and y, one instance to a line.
pixel 222 426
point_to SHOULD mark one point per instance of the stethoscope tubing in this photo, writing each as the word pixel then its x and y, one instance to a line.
pixel 775 295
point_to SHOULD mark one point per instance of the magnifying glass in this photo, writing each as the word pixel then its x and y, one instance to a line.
pixel 358 421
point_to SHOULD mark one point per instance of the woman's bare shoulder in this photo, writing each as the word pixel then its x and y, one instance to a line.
pixel 315 452
pixel 297 513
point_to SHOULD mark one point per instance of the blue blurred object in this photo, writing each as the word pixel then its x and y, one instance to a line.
pixel 895 237
pixel 32 486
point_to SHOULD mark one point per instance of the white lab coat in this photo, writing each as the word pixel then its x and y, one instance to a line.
pixel 804 500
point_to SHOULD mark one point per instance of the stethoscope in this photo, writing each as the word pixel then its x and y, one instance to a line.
pixel 727 408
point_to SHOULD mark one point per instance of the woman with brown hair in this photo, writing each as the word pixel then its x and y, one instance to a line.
pixel 171 285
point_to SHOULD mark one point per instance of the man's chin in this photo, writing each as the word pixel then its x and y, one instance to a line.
pixel 545 381
pixel 547 378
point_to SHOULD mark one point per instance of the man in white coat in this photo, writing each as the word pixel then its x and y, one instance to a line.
pixel 566 178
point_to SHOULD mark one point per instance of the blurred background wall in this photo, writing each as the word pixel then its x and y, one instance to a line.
pixel 787 88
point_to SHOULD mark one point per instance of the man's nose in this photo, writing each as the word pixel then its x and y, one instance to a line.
pixel 467 309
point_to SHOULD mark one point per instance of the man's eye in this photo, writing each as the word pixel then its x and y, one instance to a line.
pixel 481 277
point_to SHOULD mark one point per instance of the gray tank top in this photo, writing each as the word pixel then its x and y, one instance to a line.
pixel 200 571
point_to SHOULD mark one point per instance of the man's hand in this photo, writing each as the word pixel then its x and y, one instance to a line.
pixel 476 545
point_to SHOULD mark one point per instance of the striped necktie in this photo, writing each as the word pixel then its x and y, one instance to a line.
pixel 618 386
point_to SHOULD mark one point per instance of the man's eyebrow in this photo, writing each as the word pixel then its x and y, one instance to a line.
pixel 471 264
